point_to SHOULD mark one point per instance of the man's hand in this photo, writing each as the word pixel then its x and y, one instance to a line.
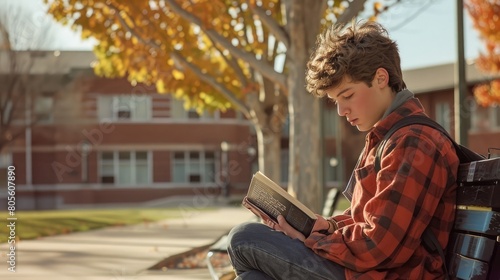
pixel 321 224
pixel 287 229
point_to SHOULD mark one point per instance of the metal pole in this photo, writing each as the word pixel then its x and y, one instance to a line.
pixel 462 121
pixel 28 135
pixel 225 168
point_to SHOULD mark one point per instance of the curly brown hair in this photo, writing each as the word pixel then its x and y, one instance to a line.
pixel 355 52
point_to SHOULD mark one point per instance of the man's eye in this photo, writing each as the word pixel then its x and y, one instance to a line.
pixel 348 97
pixel 331 100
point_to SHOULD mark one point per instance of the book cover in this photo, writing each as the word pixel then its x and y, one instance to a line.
pixel 483 195
pixel 268 200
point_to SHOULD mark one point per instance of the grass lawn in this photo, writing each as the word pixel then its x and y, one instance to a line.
pixel 34 224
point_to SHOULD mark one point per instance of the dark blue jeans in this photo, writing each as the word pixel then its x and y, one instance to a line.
pixel 259 252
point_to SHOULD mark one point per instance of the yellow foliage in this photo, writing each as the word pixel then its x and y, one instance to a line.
pixel 137 40
pixel 178 75
pixel 160 86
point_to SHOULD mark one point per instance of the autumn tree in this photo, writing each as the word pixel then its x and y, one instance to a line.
pixel 485 15
pixel 219 54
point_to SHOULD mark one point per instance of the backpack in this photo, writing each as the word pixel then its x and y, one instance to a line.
pixel 464 154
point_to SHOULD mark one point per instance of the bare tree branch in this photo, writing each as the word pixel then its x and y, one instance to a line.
pixel 21 35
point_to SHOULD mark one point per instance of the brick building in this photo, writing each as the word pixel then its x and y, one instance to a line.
pixel 105 142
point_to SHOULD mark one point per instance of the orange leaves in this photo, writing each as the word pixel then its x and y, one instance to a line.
pixel 488 94
pixel 489 62
pixel 485 15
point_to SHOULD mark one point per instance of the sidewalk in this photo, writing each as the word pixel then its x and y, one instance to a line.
pixel 120 253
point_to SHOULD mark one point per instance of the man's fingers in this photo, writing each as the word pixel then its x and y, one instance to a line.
pixel 270 224
pixel 289 230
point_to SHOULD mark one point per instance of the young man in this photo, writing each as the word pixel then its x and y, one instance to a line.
pixel 379 236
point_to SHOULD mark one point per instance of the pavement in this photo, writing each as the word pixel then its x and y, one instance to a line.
pixel 124 252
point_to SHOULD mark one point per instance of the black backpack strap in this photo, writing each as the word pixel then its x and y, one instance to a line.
pixel 431 244
pixel 464 154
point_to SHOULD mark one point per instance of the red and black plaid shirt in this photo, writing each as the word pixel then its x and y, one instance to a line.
pixel 379 235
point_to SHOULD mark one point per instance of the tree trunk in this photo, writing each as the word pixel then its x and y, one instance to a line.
pixel 268 112
pixel 269 150
pixel 305 170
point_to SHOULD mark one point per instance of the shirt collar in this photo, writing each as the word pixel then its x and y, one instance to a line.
pixel 411 107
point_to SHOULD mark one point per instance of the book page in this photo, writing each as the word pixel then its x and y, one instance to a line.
pixel 266 201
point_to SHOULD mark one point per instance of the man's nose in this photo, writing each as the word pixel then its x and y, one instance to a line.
pixel 342 110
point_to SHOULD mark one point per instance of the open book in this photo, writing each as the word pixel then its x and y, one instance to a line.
pixel 268 200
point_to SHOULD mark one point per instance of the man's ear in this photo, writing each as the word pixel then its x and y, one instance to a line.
pixel 381 78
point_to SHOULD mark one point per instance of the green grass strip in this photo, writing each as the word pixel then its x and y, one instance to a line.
pixel 35 224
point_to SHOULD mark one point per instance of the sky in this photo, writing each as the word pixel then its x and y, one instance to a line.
pixel 425 31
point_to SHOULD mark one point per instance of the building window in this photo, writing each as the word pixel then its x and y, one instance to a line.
pixel 479 118
pixel 330 121
pixel 443 115
pixel 193 167
pixel 485 118
pixel 192 114
pixel 125 168
pixel 125 107
pixel 44 108
pixel 495 116
pixel 180 113
pixel 5 162
pixel 107 168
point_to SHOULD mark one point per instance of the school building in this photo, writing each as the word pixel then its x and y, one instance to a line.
pixel 105 142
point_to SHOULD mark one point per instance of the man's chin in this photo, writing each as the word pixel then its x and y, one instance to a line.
pixel 362 128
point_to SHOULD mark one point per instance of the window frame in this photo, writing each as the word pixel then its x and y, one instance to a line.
pixel 132 161
pixel 193 168
pixel 124 107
